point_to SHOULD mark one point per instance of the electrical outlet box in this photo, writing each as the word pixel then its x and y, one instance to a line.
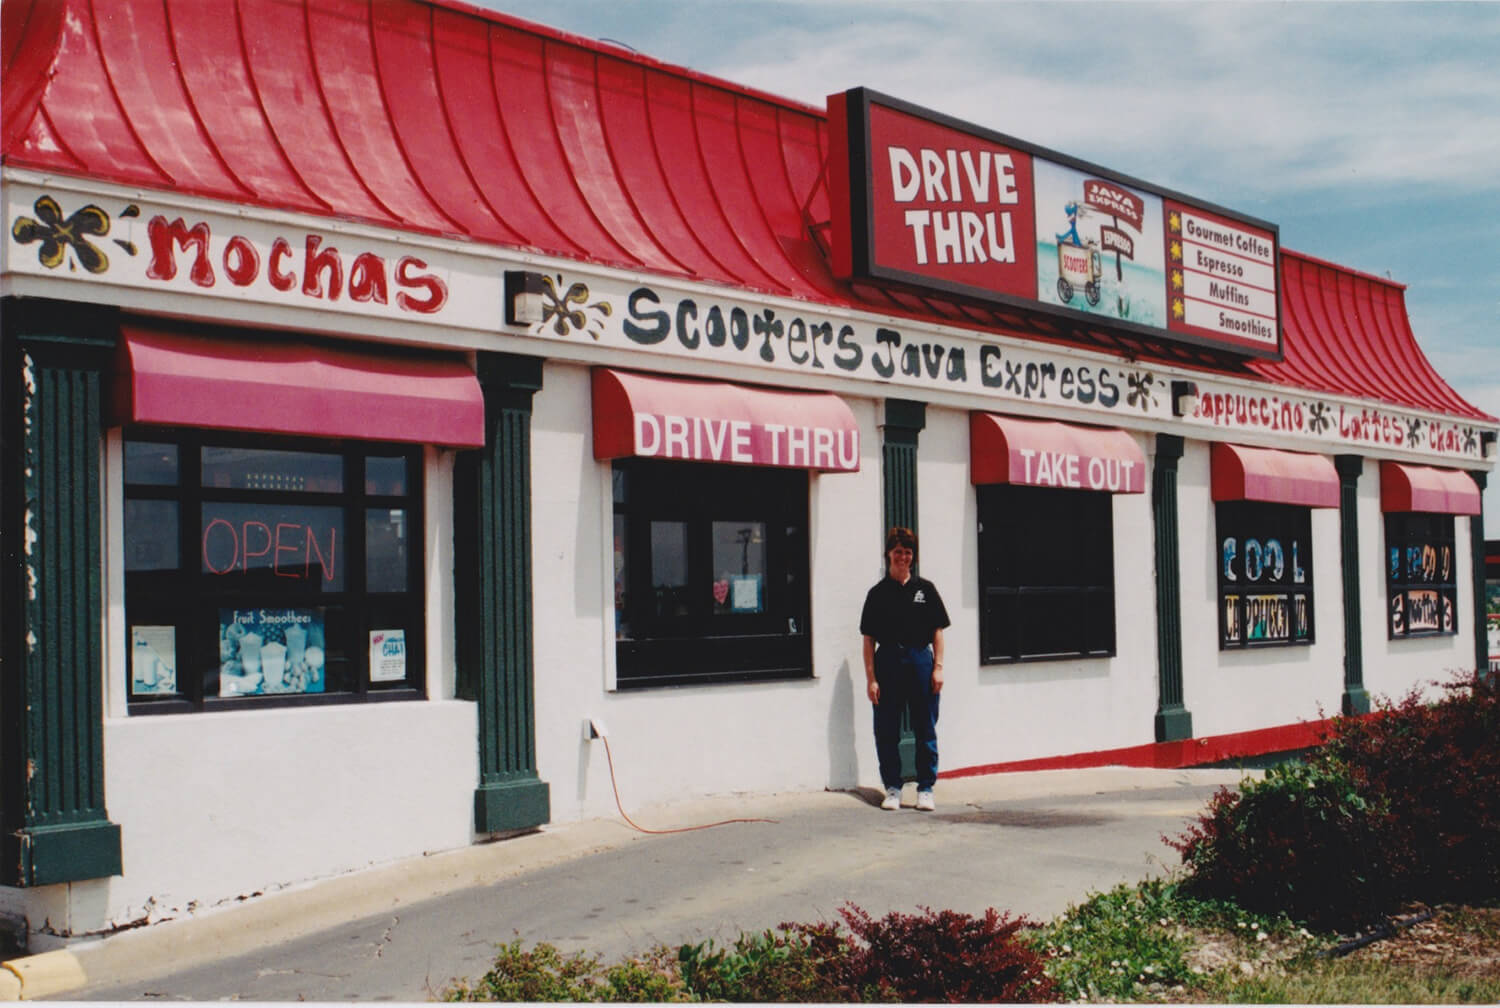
pixel 594 728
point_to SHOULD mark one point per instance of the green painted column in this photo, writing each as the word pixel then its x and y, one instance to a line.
pixel 1355 699
pixel 900 428
pixel 494 598
pixel 55 826
pixel 1481 604
pixel 1173 720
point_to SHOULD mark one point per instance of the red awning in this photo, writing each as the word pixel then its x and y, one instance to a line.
pixel 1423 488
pixel 1278 477
pixel 1005 449
pixel 295 388
pixel 680 418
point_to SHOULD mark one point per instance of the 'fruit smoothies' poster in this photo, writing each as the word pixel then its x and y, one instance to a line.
pixel 265 651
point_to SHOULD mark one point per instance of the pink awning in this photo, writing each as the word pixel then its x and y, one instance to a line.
pixel 1278 477
pixel 1005 449
pixel 652 416
pixel 1423 488
pixel 284 387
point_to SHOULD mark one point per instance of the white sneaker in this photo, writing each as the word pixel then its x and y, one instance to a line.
pixel 925 802
pixel 892 799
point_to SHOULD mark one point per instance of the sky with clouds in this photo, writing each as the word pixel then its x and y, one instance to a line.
pixel 1368 132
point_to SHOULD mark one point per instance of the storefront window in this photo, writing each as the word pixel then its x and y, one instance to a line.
pixel 270 574
pixel 711 573
pixel 1420 576
pixel 1046 573
pixel 1265 574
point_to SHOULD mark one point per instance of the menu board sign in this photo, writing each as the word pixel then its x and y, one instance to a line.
pixel 926 201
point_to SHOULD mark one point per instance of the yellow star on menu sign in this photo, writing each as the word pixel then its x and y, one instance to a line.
pixel 1177 279
pixel 1174 222
pixel 1178 311
pixel 1174 248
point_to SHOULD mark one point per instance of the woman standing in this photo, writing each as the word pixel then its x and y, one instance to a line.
pixel 902 624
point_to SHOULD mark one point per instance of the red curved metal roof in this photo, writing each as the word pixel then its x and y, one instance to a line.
pixel 433 116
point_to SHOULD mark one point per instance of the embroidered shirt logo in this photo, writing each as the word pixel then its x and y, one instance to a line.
pixel 919 596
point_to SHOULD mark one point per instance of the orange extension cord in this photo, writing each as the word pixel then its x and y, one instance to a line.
pixel 681 829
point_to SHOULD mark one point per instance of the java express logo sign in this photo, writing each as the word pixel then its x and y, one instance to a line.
pixel 926 201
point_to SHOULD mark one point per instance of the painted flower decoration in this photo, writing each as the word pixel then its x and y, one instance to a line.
pixel 1413 432
pixel 1471 439
pixel 58 235
pixel 560 311
pixel 1141 384
pixel 1318 419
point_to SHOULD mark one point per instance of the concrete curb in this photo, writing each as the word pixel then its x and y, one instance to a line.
pixel 44 975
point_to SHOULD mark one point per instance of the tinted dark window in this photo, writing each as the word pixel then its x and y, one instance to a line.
pixel 711 573
pixel 1046 573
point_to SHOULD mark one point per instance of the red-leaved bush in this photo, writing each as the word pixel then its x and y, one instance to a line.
pixel 942 956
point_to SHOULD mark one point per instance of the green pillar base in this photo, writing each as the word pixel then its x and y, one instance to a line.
pixel 1356 700
pixel 1173 724
pixel 48 855
pixel 523 803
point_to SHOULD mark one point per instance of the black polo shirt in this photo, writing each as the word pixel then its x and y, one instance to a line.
pixel 906 614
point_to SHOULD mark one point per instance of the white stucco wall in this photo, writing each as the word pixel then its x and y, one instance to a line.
pixel 673 742
pixel 1000 713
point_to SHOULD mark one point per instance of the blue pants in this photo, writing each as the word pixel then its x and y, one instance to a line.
pixel 905 678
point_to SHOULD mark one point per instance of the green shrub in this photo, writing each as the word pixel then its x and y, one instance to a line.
pixel 1302 841
pixel 1400 805
pixel 792 964
pixel 542 973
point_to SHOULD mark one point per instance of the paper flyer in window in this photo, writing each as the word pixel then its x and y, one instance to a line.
pixel 153 660
pixel 268 651
pixel 387 655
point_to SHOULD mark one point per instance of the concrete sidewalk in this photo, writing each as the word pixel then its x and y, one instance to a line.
pixel 1027 843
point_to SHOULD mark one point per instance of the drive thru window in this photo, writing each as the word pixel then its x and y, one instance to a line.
pixel 710 487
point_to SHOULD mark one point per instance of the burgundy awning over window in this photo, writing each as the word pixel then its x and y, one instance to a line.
pixel 652 416
pixel 1277 477
pixel 283 387
pixel 1005 449
pixel 1423 488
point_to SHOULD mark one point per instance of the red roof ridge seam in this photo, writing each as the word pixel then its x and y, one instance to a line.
pixel 333 130
pixel 713 189
pixel 187 94
pixel 493 66
pixel 620 176
pixel 627 258
pixel 760 206
pixel 260 103
pixel 458 149
pixel 390 118
pixel 125 120
pixel 652 134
